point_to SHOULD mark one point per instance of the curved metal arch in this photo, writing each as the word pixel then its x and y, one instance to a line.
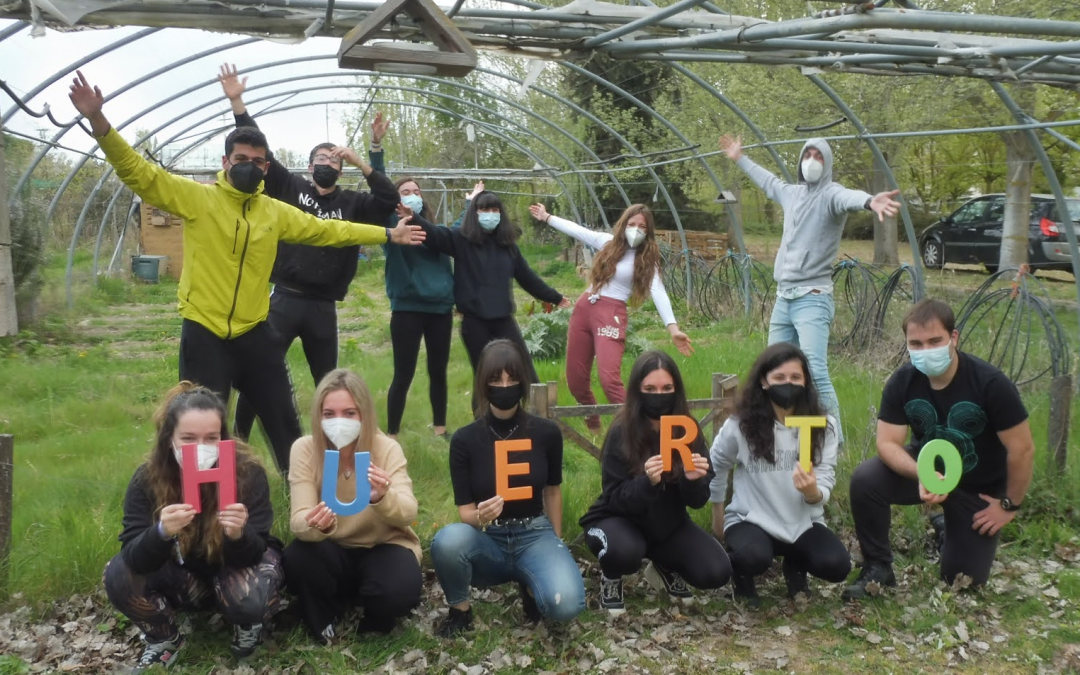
pixel 47 82
pixel 40 154
pixel 13 29
pixel 485 127
pixel 919 288
pixel 1051 178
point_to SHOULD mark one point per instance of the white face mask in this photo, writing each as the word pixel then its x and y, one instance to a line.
pixel 812 170
pixel 634 236
pixel 341 430
pixel 208 455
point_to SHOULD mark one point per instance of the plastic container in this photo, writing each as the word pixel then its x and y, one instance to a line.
pixel 147 267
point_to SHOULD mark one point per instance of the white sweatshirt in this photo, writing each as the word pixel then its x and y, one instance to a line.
pixel 765 494
pixel 620 286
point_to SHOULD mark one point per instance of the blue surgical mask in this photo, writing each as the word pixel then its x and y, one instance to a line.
pixel 489 221
pixel 931 362
pixel 414 202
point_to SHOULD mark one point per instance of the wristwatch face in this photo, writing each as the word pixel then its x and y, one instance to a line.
pixel 1007 504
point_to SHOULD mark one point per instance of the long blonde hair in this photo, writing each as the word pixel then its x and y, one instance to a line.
pixel 342 379
pixel 646 259
pixel 205 534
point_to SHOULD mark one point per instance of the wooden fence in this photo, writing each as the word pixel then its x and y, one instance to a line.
pixel 543 397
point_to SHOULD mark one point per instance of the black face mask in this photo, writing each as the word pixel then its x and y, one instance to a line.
pixel 786 395
pixel 504 398
pixel 656 406
pixel 245 176
pixel 325 175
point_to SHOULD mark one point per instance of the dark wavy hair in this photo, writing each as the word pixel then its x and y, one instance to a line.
pixel 505 234
pixel 755 410
pixel 425 212
pixel 641 440
pixel 205 533
pixel 498 356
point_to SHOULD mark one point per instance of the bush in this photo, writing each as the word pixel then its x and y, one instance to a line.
pixel 545 334
pixel 27 256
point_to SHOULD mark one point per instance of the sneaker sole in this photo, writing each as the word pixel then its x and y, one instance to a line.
pixel 615 612
pixel 652 575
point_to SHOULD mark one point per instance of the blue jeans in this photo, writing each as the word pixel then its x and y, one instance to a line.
pixel 805 323
pixel 530 554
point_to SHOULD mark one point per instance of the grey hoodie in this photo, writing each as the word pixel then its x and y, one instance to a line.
pixel 814 217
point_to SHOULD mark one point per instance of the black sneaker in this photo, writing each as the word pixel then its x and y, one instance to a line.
pixel 666 580
pixel 457 621
pixel 796 579
pixel 328 636
pixel 159 654
pixel 246 639
pixel 376 623
pixel 937 521
pixel 611 596
pixel 528 603
pixel 746 591
pixel 872 572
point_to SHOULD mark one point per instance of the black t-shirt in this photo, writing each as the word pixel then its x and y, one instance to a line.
pixel 979 402
pixel 472 461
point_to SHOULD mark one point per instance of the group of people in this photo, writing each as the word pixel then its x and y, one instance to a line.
pixel 765 504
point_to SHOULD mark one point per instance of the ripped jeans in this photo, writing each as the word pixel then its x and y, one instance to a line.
pixel 243 596
pixel 529 554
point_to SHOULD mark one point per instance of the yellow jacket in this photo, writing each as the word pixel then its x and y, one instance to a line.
pixel 230 238
pixel 388 522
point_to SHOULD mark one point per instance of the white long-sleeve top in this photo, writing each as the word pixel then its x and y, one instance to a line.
pixel 620 286
pixel 764 494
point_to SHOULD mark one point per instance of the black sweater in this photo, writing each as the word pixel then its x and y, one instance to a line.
pixel 483 272
pixel 323 272
pixel 145 551
pixel 656 509
pixel 472 461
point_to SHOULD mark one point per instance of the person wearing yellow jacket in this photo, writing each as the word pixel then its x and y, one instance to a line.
pixel 231 233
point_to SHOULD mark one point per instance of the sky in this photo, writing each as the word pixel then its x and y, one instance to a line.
pixel 26 61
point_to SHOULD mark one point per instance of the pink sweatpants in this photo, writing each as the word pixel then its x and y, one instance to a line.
pixel 597 329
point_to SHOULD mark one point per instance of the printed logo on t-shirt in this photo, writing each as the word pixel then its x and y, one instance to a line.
pixel 309 201
pixel 785 461
pixel 966 421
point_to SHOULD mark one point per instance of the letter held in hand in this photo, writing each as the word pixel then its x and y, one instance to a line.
pixel 669 444
pixel 504 469
pixel 224 474
pixel 805 423
pixel 927 466
pixel 331 458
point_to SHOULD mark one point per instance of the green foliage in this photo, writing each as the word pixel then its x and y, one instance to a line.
pixel 545 334
pixel 12 665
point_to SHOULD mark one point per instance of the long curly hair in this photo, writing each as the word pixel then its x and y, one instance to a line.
pixel 646 257
pixel 641 440
pixel 205 535
pixel 755 411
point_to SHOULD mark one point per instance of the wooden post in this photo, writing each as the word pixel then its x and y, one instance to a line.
pixel 552 398
pixel 538 400
pixel 717 392
pixel 7 472
pixel 1057 432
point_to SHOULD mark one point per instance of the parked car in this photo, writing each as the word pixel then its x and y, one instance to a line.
pixel 972 234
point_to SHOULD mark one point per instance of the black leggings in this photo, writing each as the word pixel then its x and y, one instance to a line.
pixel 385 580
pixel 406 329
pixel 875 487
pixel 242 596
pixel 476 333
pixel 255 365
pixel 296 316
pixel 817 551
pixel 620 546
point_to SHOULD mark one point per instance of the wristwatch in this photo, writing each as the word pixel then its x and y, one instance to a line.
pixel 1007 505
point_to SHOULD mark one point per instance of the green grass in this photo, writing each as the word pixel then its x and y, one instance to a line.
pixel 78 392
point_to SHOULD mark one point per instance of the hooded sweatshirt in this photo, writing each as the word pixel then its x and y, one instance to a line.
pixel 814 217
pixel 764 494
pixel 230 238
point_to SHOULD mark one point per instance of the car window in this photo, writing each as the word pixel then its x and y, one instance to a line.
pixel 996 210
pixel 971 212
pixel 1074 210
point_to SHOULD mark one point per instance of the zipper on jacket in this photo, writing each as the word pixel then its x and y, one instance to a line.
pixel 240 268
pixel 236 235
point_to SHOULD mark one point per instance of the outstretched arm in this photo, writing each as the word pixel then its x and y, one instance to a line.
pixel 234 88
pixel 590 238
pixel 533 284
pixel 773 186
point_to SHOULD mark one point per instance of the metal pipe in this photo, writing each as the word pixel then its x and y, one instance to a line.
pixel 328 22
pixel 645 21
pixel 1035 64
pixel 1051 177
pixel 13 29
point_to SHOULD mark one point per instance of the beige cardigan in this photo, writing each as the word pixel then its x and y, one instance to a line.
pixel 387 522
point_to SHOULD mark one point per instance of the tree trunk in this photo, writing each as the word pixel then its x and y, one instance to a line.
pixel 1019 161
pixel 9 321
pixel 885 237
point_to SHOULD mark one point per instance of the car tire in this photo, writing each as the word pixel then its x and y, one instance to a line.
pixel 933 254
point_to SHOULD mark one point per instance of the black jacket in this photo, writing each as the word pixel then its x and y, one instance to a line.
pixel 323 272
pixel 656 509
pixel 483 273
pixel 145 551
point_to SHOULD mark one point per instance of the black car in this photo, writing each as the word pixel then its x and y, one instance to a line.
pixel 972 234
